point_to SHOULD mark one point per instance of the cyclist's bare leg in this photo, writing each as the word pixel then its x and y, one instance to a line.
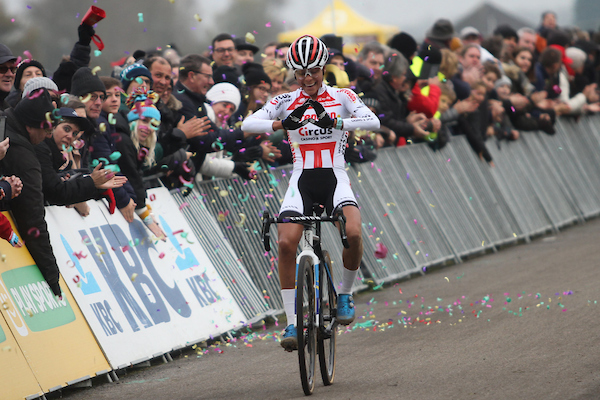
pixel 289 238
pixel 353 255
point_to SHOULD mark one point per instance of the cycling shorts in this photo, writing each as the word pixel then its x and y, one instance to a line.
pixel 326 186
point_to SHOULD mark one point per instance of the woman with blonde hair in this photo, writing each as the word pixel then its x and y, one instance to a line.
pixel 277 72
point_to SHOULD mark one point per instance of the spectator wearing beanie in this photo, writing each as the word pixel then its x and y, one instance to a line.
pixel 34 84
pixel 26 70
pixel 129 77
pixel 439 35
pixel 255 91
pixel 405 44
pixel 27 125
pixel 90 90
pixel 7 74
pixel 226 73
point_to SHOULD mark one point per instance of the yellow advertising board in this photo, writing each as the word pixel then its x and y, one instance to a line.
pixel 17 380
pixel 51 333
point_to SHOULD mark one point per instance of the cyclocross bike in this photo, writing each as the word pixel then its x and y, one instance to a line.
pixel 316 297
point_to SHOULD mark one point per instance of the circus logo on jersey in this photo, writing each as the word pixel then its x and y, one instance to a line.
pixel 317 155
pixel 326 100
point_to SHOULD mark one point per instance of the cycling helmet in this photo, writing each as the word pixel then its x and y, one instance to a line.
pixel 307 52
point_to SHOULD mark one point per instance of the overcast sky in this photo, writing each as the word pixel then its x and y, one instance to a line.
pixel 415 16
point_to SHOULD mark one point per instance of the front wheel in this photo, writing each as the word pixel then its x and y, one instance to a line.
pixel 327 327
pixel 305 324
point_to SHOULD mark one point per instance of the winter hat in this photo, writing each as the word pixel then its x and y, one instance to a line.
pixel 241 44
pixel 577 55
pixel 224 91
pixel 38 83
pixel 505 80
pixel 142 102
pixel 254 74
pixel 225 73
pixel 132 72
pixel 506 31
pixel 5 54
pixel 469 31
pixel 23 66
pixel 35 109
pixel 84 81
pixel 404 43
pixel 442 29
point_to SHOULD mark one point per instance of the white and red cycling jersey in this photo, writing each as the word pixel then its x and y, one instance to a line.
pixel 316 148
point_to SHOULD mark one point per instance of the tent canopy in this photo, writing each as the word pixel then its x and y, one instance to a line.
pixel 347 23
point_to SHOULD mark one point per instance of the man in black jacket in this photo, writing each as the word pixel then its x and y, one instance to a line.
pixel 389 91
pixel 26 126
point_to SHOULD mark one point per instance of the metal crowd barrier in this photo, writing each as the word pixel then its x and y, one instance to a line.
pixel 428 208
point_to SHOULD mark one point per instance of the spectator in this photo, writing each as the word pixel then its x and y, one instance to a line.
pixel 405 44
pixel 257 87
pixel 523 72
pixel 10 187
pixel 227 74
pixel 470 60
pixel 224 100
pixel 439 35
pixel 281 50
pixel 26 70
pixel 450 69
pixel 244 51
pixel 269 50
pixel 7 74
pixel 470 35
pixel 73 185
pixel 26 126
pixel 548 24
pixel 527 38
pixel 276 72
pixel 392 111
pixel 370 59
pixel 134 76
pixel 509 40
pixel 144 118
pixel 223 50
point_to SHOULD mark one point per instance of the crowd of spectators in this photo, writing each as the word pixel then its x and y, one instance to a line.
pixel 159 114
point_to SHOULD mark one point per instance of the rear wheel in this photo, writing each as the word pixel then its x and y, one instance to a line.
pixel 327 328
pixel 305 324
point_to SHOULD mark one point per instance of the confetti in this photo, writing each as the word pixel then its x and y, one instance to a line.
pixel 268 24
pixel 250 38
pixel 140 17
pixel 381 251
pixel 35 232
pixel 133 276
pixel 197 16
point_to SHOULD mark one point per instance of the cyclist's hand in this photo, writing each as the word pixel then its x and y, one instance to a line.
pixel 323 119
pixel 294 120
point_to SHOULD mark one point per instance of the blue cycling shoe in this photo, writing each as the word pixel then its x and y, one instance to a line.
pixel 345 309
pixel 290 339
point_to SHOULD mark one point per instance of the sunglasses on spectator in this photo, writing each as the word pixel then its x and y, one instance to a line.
pixel 303 73
pixel 224 49
pixel 4 69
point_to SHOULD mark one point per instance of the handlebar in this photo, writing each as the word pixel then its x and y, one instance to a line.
pixel 267 221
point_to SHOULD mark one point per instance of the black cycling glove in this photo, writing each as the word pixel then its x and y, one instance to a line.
pixel 294 120
pixel 323 119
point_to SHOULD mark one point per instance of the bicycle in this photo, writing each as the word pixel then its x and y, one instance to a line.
pixel 316 297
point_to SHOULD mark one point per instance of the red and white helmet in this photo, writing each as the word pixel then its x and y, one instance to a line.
pixel 307 52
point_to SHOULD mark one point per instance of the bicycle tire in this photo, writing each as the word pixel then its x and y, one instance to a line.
pixel 305 324
pixel 327 333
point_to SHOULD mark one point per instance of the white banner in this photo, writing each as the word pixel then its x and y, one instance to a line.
pixel 141 298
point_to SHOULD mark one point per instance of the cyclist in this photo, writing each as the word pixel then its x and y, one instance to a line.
pixel 317 118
